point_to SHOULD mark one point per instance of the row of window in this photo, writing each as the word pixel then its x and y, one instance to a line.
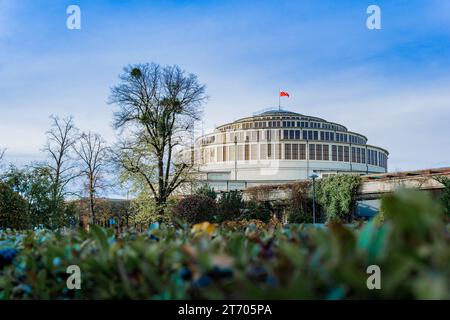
pixel 324 136
pixel 293 151
pixel 376 158
pixel 269 135
pixel 291 124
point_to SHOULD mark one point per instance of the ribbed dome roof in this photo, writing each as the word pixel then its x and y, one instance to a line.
pixel 281 112
pixel 278 112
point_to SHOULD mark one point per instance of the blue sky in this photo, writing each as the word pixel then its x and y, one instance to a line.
pixel 392 85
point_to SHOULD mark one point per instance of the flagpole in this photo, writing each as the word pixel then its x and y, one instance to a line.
pixel 279 99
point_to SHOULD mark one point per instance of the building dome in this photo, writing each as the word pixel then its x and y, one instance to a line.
pixel 279 146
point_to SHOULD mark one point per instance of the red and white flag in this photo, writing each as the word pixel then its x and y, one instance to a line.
pixel 284 93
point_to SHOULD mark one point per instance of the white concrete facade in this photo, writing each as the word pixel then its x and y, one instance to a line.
pixel 280 146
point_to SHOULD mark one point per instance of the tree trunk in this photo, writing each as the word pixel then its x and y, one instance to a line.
pixel 91 199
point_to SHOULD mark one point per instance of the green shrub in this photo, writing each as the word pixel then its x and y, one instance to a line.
pixel 336 195
pixel 299 216
pixel 230 205
pixel 414 212
pixel 445 196
pixel 256 210
pixel 196 209
pixel 205 190
pixel 239 259
pixel 13 209
pixel 299 208
pixel 145 211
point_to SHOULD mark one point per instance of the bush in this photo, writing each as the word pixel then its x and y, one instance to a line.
pixel 238 260
pixel 13 209
pixel 242 225
pixel 196 209
pixel 299 216
pixel 257 261
pixel 256 210
pixel 145 211
pixel 299 208
pixel 415 213
pixel 445 197
pixel 205 190
pixel 336 195
pixel 230 205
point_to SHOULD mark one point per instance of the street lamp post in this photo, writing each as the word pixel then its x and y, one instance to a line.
pixel 313 177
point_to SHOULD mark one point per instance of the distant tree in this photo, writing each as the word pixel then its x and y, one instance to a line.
pixel 2 154
pixel 121 209
pixel 104 212
pixel 61 139
pixel 35 186
pixel 60 167
pixel 93 152
pixel 13 209
pixel 158 107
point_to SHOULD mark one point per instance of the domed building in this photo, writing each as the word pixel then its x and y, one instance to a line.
pixel 279 146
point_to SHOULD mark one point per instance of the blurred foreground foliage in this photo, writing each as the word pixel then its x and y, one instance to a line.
pixel 410 242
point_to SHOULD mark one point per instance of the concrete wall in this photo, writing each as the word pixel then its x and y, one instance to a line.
pixel 281 170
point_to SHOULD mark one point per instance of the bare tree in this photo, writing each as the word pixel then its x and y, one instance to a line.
pixel 60 140
pixel 2 154
pixel 93 153
pixel 158 106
